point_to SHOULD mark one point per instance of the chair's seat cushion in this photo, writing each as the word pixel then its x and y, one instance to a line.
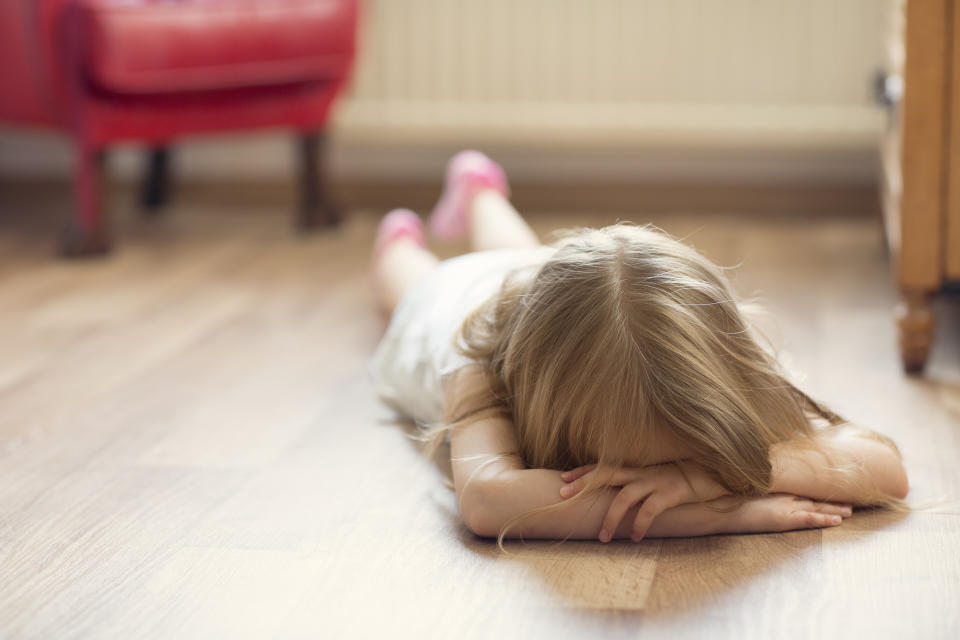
pixel 161 46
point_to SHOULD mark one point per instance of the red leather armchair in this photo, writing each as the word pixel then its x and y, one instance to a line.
pixel 152 71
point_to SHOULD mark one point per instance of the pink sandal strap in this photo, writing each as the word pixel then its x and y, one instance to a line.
pixel 467 173
pixel 399 223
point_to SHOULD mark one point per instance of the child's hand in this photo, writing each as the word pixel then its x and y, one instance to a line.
pixel 785 512
pixel 659 487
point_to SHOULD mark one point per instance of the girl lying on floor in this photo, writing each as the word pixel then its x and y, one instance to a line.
pixel 606 386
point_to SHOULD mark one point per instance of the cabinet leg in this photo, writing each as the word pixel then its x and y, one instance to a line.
pixel 915 321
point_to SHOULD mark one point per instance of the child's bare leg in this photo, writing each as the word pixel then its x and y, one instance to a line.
pixel 400 257
pixel 475 202
pixel 495 224
pixel 400 266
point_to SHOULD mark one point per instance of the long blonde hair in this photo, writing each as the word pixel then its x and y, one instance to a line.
pixel 625 335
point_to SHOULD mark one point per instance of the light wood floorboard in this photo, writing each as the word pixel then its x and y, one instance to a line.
pixel 190 447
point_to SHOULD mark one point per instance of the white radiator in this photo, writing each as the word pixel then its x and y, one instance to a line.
pixel 763 90
pixel 617 73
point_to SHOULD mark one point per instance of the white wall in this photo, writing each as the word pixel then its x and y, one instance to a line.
pixel 640 89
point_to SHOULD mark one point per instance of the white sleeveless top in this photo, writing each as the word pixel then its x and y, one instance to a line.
pixel 417 354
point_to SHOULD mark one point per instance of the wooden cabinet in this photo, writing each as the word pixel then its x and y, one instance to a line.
pixel 921 186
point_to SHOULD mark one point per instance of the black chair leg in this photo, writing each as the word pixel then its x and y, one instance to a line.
pixel 316 209
pixel 156 180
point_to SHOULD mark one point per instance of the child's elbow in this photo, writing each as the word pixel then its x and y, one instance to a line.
pixel 885 467
pixel 479 523
pixel 900 485
pixel 895 478
pixel 477 514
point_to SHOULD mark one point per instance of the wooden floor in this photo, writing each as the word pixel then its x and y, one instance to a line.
pixel 190 447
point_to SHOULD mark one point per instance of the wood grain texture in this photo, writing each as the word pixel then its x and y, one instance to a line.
pixel 952 218
pixel 925 138
pixel 190 448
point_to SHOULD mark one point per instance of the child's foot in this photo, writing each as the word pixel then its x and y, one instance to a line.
pixel 467 173
pixel 399 223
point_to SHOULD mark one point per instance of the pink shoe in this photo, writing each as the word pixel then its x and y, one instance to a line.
pixel 467 173
pixel 399 223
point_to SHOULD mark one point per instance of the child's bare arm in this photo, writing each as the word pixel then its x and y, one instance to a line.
pixel 845 466
pixel 493 487
pixel 850 468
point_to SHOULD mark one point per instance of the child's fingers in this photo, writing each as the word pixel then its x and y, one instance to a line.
pixel 573 474
pixel 573 487
pixel 626 498
pixel 652 507
pixel 612 478
pixel 832 508
pixel 813 520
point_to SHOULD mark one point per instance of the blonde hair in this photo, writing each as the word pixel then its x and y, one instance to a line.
pixel 624 336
